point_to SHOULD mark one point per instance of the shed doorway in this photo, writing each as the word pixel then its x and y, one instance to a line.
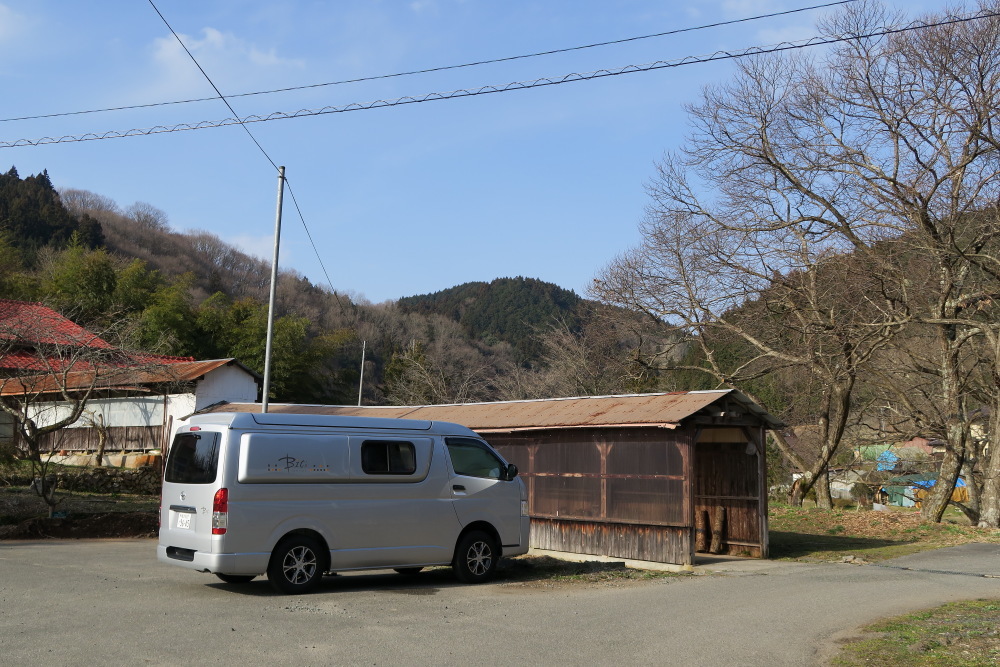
pixel 730 505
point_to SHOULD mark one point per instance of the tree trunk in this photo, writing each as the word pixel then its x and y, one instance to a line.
pixel 102 441
pixel 973 506
pixel 989 507
pixel 796 494
pixel 824 500
pixel 936 500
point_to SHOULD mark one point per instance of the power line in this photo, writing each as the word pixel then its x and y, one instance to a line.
pixel 491 89
pixel 254 139
pixel 427 70
pixel 322 266
pixel 212 83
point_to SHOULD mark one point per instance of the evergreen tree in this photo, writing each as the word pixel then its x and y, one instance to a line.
pixel 34 217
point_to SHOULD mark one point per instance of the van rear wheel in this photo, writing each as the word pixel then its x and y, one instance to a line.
pixel 475 557
pixel 296 566
pixel 236 578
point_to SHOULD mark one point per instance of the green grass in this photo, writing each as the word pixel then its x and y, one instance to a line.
pixel 959 634
pixel 811 534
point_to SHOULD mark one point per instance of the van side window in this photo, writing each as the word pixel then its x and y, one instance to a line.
pixel 193 459
pixel 473 459
pixel 380 457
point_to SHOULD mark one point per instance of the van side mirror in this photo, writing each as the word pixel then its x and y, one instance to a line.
pixel 511 472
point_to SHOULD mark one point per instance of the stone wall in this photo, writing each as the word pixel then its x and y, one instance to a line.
pixel 144 481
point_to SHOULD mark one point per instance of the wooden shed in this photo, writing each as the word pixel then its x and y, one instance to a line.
pixel 654 477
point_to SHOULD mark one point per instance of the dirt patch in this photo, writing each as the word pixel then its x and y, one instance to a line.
pixel 110 524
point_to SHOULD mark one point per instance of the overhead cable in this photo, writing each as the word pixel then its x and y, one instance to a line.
pixel 257 143
pixel 431 69
pixel 490 89
pixel 211 83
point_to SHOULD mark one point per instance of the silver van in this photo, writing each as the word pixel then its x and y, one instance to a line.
pixel 296 496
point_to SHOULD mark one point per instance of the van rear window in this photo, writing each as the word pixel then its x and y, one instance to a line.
pixel 193 458
pixel 380 457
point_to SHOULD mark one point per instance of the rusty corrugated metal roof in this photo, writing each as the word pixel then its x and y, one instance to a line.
pixel 631 410
pixel 192 370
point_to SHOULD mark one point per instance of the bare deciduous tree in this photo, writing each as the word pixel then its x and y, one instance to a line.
pixel 886 149
pixel 49 371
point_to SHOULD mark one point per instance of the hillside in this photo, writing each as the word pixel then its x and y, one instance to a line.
pixel 192 294
pixel 510 310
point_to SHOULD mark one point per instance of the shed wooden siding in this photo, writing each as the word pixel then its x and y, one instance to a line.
pixel 661 544
pixel 619 492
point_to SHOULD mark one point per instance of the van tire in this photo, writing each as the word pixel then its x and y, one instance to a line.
pixel 475 557
pixel 296 566
pixel 236 578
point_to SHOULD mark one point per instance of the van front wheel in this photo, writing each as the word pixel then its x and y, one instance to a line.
pixel 475 558
pixel 296 565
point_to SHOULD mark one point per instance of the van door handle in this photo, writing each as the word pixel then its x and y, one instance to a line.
pixel 457 487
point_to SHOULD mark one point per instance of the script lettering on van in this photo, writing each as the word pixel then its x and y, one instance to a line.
pixel 289 462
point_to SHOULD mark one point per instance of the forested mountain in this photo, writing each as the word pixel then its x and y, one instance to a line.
pixel 124 269
pixel 509 310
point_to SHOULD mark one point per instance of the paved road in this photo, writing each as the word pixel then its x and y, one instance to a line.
pixel 109 602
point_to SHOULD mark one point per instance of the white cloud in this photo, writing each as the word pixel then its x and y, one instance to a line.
pixel 261 247
pixel 792 33
pixel 420 6
pixel 741 8
pixel 14 27
pixel 234 64
pixel 803 28
pixel 11 23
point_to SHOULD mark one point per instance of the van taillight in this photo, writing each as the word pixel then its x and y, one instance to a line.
pixel 220 512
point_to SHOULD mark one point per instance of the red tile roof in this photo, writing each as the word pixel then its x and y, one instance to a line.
pixel 29 324
pixel 40 324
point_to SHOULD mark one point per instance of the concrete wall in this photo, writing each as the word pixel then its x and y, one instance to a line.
pixel 228 383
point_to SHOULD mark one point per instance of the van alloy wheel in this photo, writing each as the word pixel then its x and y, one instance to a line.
pixel 480 558
pixel 299 565
pixel 475 558
pixel 296 565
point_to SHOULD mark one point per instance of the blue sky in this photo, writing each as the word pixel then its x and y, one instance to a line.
pixel 544 183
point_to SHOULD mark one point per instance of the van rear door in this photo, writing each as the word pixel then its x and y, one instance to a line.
pixel 190 488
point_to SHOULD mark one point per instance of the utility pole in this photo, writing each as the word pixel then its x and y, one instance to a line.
pixel 274 287
pixel 361 382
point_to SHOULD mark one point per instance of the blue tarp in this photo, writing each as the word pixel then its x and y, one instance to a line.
pixel 906 490
pixel 886 461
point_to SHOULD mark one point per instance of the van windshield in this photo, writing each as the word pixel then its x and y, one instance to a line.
pixel 193 458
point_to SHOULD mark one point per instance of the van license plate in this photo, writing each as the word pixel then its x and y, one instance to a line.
pixel 184 521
